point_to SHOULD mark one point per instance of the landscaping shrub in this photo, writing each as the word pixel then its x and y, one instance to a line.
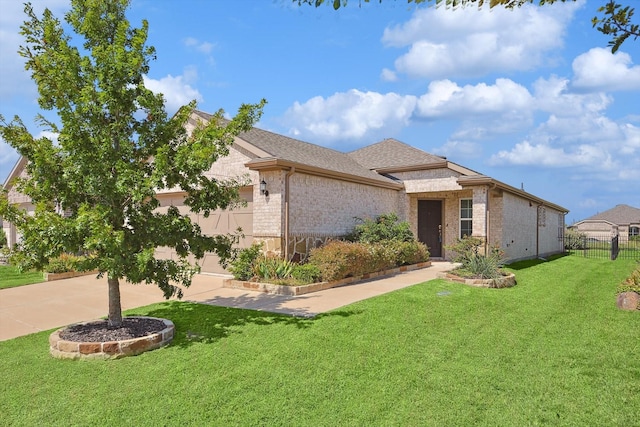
pixel 475 264
pixel 631 284
pixel 270 267
pixel 406 253
pixel 306 273
pixel 384 227
pixel 63 263
pixel 242 265
pixel 3 238
pixel 574 240
pixel 338 259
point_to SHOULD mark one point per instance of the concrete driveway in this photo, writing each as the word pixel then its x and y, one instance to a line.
pixel 28 309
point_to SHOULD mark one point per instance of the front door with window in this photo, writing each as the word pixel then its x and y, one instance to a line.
pixel 430 225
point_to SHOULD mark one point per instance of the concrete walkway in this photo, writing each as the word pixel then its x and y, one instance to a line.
pixel 42 306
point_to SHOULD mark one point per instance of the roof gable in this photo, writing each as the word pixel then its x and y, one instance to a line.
pixel 17 170
pixel 391 153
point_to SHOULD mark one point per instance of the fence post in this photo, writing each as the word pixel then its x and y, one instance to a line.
pixel 614 247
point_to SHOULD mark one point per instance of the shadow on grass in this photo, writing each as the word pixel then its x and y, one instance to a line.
pixel 203 323
pixel 528 263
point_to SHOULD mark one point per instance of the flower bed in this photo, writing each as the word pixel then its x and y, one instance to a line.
pixel 271 288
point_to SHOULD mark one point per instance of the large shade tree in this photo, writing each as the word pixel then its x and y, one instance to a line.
pixel 116 147
pixel 613 19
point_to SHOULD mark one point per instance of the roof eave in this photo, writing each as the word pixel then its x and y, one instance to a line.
pixel 15 172
pixel 411 168
pixel 469 181
pixel 272 163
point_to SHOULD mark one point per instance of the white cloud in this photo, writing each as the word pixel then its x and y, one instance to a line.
pixel 446 99
pixel 599 69
pixel 177 90
pixel 552 95
pixel 202 47
pixel 543 154
pixel 8 156
pixel 446 42
pixel 349 115
pixel 460 149
pixel 14 80
pixel 388 75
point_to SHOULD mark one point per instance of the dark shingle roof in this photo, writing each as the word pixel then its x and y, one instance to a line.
pixel 390 153
pixel 620 215
pixel 293 150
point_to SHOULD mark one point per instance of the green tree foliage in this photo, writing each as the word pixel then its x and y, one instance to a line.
pixel 613 20
pixel 116 147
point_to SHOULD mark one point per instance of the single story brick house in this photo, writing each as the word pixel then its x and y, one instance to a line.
pixel 622 220
pixel 302 194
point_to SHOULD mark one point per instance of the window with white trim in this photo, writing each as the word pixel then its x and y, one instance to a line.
pixel 466 217
pixel 634 231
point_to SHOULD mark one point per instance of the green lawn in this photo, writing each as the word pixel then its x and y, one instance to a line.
pixel 553 350
pixel 10 277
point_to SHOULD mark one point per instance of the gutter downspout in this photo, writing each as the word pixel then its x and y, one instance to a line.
pixel 487 215
pixel 286 211
pixel 538 231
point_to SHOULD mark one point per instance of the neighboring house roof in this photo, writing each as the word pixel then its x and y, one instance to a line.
pixel 620 215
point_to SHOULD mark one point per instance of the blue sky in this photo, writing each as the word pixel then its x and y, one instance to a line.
pixel 530 97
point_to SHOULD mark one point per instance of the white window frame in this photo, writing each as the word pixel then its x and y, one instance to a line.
pixel 465 219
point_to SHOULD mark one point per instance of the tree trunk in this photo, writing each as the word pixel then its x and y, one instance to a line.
pixel 115 308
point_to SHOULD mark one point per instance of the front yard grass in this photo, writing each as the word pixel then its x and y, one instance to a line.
pixel 10 277
pixel 553 350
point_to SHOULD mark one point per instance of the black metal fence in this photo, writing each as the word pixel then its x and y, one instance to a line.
pixel 603 246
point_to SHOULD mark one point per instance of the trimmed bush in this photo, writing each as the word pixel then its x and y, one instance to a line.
pixel 242 265
pixel 338 259
pixel 63 263
pixel 306 273
pixel 383 228
pixel 407 253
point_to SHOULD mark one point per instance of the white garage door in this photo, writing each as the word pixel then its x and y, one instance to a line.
pixel 218 222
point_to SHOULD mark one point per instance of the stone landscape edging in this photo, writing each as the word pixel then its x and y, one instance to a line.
pixel 274 289
pixel 504 282
pixel 63 349
pixel 49 277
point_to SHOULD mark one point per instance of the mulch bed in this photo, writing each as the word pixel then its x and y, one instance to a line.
pixel 99 331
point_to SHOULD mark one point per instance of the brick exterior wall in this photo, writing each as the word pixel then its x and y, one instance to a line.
pixel 529 230
pixel 327 207
pixel 429 180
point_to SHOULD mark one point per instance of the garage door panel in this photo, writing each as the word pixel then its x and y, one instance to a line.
pixel 218 222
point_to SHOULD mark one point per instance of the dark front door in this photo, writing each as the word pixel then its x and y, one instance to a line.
pixel 430 225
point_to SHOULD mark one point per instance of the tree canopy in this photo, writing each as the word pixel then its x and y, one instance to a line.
pixel 613 18
pixel 116 148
